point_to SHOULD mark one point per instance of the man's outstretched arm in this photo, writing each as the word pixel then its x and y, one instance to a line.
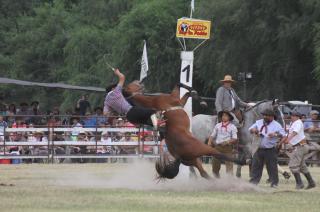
pixel 120 76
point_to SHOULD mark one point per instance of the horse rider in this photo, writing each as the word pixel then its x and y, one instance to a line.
pixel 223 137
pixel 298 141
pixel 228 100
pixel 115 101
pixel 269 131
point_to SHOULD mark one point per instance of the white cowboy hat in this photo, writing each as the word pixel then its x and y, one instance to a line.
pixel 227 78
pixel 105 132
pixel 314 112
pixel 82 132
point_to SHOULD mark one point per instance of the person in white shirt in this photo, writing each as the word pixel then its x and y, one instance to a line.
pixel 270 132
pixel 297 162
pixel 223 137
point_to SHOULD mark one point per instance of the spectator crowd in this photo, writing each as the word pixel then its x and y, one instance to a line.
pixel 83 116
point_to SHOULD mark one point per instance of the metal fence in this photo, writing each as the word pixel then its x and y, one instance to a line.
pixel 17 143
pixel 59 142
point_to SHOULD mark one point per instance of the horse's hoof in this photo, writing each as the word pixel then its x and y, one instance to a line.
pixel 243 162
pixel 194 94
pixel 203 104
pixel 248 161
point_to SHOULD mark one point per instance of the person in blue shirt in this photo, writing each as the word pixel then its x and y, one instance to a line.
pixel 269 131
pixel 312 125
pixel 89 120
pixel 101 120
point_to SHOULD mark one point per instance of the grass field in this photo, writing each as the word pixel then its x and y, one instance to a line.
pixel 131 187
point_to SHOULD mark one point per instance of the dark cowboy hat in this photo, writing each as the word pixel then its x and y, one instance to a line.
pixel 74 118
pixel 24 104
pixel 98 108
pixel 226 112
pixel 34 103
pixel 268 112
pixel 295 113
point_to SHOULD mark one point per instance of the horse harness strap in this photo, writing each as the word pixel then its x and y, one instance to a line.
pixel 134 94
pixel 173 108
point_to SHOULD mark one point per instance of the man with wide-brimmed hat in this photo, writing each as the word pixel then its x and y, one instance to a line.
pixel 298 141
pixel 269 131
pixel 228 100
pixel 223 137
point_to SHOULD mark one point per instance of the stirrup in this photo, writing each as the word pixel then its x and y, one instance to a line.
pixel 241 124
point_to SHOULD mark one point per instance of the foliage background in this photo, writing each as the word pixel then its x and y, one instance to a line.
pixel 65 40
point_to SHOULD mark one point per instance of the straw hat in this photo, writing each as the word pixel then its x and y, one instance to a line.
pixel 227 78
pixel 38 132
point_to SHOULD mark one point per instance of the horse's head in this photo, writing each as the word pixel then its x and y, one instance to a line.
pixel 254 113
pixel 167 166
pixel 132 88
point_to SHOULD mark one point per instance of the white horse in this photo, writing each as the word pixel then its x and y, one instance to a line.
pixel 202 127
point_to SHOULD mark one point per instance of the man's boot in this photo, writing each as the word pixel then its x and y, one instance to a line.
pixel 299 184
pixel 311 183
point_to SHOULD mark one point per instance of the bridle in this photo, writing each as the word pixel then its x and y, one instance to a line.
pixel 134 94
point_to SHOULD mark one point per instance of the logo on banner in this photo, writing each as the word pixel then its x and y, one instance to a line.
pixel 193 28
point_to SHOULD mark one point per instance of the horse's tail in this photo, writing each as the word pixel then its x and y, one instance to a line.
pixel 167 166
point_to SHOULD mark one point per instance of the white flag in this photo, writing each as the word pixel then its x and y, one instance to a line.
pixel 192 5
pixel 144 63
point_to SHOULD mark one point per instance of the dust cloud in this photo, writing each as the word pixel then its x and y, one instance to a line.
pixel 141 175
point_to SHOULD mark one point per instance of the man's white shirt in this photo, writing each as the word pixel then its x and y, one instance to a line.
pixel 265 129
pixel 223 133
pixel 297 126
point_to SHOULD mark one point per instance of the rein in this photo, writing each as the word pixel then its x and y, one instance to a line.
pixel 253 108
pixel 256 105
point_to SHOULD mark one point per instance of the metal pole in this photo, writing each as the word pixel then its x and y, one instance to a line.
pixel 4 141
pixel 95 138
pixel 139 141
pixel 48 145
pixel 245 88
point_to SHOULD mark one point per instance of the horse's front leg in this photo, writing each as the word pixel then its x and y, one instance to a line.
pixel 195 96
pixel 185 98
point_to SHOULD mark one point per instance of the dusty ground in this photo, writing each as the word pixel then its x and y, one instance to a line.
pixel 132 187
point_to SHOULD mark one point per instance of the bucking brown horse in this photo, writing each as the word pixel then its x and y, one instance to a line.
pixel 181 144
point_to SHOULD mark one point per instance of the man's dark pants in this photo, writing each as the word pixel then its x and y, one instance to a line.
pixel 268 157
